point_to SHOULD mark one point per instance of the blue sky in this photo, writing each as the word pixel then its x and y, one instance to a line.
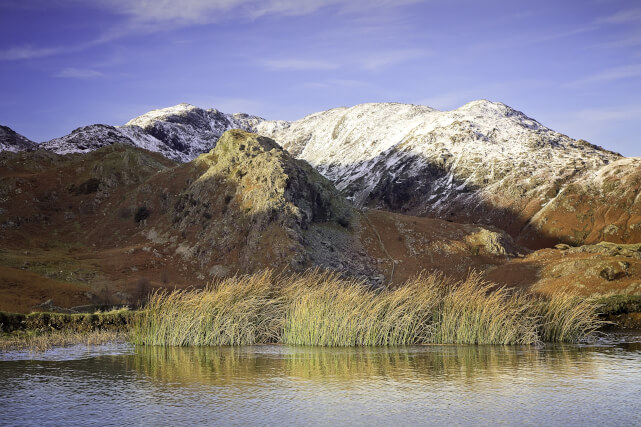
pixel 575 66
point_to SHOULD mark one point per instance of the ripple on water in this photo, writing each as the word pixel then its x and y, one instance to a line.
pixel 122 384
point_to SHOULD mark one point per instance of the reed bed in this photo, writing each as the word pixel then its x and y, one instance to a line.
pixel 567 318
pixel 237 311
pixel 322 309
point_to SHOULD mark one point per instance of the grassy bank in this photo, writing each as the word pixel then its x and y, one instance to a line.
pixel 317 308
pixel 40 331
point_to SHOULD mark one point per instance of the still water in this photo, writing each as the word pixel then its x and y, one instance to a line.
pixel 279 385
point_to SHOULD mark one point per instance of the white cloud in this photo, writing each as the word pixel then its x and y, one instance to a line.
pixel 607 115
pixel 334 83
pixel 204 11
pixel 629 41
pixel 78 73
pixel 149 16
pixel 298 64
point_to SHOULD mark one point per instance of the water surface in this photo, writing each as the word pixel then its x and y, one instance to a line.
pixel 122 384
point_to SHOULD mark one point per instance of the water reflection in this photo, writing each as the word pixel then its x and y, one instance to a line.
pixel 319 386
pixel 221 365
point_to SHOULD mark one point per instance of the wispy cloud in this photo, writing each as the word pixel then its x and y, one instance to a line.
pixel 611 74
pixel 27 52
pixel 626 41
pixel 392 57
pixel 334 83
pixel 298 64
pixel 150 16
pixel 607 115
pixel 623 16
pixel 78 73
pixel 203 11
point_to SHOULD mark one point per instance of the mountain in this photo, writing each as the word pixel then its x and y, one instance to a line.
pixel 13 141
pixel 180 133
pixel 604 205
pixel 482 163
pixel 101 226
pixel 111 224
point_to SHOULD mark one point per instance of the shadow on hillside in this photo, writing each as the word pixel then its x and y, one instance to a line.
pixel 418 187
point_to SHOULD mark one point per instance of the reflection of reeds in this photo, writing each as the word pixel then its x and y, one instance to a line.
pixel 37 341
pixel 316 308
pixel 227 365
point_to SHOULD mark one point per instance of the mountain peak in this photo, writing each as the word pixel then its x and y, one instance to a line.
pixel 11 140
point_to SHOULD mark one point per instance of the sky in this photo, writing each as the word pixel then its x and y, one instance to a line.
pixel 575 66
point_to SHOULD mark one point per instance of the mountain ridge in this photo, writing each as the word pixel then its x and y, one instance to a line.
pixel 484 162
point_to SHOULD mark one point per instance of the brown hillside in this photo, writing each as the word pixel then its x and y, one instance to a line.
pixel 108 226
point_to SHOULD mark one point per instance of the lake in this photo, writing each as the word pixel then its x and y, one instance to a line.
pixel 120 384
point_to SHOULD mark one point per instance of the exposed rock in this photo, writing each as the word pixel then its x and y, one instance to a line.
pixel 610 249
pixel 484 162
pixel 605 205
pixel 13 141
pixel 496 243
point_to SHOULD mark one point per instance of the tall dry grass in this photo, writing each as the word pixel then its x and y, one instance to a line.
pixel 237 311
pixel 338 312
pixel 322 309
pixel 566 318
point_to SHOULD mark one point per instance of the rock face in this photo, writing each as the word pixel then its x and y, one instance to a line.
pixel 249 205
pixel 190 130
pixel 86 139
pixel 112 224
pixel 13 141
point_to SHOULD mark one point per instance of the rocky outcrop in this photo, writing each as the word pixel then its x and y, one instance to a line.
pixel 244 206
pixel 483 163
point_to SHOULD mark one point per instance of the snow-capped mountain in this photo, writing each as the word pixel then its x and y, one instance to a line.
pixel 181 132
pixel 484 162
pixel 10 140
pixel 189 130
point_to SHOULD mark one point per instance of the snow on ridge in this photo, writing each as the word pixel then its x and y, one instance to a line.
pixel 11 140
pixel 481 150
